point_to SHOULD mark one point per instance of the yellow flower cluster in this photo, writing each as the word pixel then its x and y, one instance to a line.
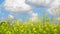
pixel 43 26
pixel 29 28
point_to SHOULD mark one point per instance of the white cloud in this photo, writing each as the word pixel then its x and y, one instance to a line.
pixel 56 3
pixel 55 12
pixel 39 3
pixel 34 16
pixel 55 9
pixel 11 16
pixel 17 6
pixel 25 6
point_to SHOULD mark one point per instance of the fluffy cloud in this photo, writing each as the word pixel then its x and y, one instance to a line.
pixel 34 17
pixel 39 3
pixel 55 9
pixel 55 3
pixel 17 6
pixel 55 12
pixel 25 6
pixel 11 16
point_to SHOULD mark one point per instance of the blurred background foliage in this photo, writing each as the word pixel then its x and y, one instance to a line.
pixel 45 25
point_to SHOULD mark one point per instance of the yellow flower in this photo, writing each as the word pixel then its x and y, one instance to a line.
pixel 4 29
pixel 55 30
pixel 35 31
pixel 55 26
pixel 17 22
pixel 32 24
pixel 34 28
pixel 39 26
pixel 55 33
pixel 45 25
pixel 8 32
pixel 44 32
pixel 40 29
pixel 21 26
pixel 47 28
pixel 11 24
pixel 22 30
pixel 15 29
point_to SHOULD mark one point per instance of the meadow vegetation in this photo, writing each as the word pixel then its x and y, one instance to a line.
pixel 42 26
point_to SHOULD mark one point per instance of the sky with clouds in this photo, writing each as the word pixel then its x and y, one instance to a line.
pixel 23 8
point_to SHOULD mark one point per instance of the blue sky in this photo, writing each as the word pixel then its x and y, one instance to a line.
pixel 6 13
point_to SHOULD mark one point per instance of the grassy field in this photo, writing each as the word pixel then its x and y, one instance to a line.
pixel 42 26
pixel 29 27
